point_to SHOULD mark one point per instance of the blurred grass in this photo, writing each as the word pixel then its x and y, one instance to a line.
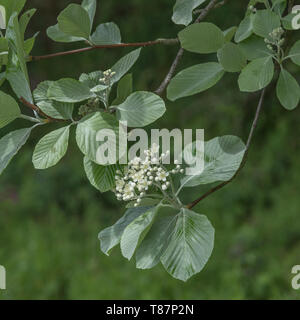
pixel 50 219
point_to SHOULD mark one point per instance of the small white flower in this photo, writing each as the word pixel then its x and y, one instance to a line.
pixel 162 175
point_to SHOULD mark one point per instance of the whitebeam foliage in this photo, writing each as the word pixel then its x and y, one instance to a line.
pixel 157 226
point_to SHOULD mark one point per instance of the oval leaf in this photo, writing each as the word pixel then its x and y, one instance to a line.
pixel 294 53
pixel 51 148
pixel 195 79
pixel 100 177
pixel 134 231
pixel 288 90
pixel 256 75
pixel 75 21
pixel 232 58
pixel 11 144
pixel 201 37
pixel 106 33
pixel 264 22
pixel 190 245
pixel 140 109
pixel 111 236
pixel 222 158
pixel 9 109
pixel 183 11
pixel 87 129
pixel 245 29
pixel 69 90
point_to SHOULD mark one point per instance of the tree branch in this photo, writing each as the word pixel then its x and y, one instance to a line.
pixel 39 111
pixel 180 52
pixel 105 46
pixel 221 185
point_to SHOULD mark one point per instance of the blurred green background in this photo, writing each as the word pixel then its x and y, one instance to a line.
pixel 50 219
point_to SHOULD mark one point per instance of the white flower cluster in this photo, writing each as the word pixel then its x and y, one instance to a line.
pixel 108 74
pixel 276 39
pixel 140 175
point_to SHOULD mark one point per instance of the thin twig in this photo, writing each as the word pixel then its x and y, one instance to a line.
pixel 105 46
pixel 39 111
pixel 221 185
pixel 180 52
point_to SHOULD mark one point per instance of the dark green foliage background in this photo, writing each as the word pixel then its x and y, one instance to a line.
pixel 50 219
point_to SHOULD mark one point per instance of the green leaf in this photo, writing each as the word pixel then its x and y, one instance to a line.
pixel 256 75
pixel 294 53
pixel 90 7
pixel 125 64
pixel 16 42
pixel 100 177
pixel 124 89
pixel 87 129
pixel 110 237
pixel 9 109
pixel 190 245
pixel 57 35
pixel 75 21
pixel 135 231
pixel 287 20
pixel 51 148
pixel 29 43
pixel 106 33
pixel 12 6
pixel 229 33
pixel 140 109
pixel 24 20
pixel 288 90
pixel 152 247
pixel 222 158
pixel 245 29
pixel 254 47
pixel 92 79
pixel 279 6
pixel 183 11
pixel 232 58
pixel 11 144
pixel 69 90
pixel 264 22
pixel 195 79
pixel 201 37
pixel 18 81
pixel 54 109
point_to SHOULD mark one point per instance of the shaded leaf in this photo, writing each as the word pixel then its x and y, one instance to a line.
pixel 201 37
pixel 231 58
pixel 288 90
pixel 110 237
pixel 9 109
pixel 69 90
pixel 195 79
pixel 256 75
pixel 135 231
